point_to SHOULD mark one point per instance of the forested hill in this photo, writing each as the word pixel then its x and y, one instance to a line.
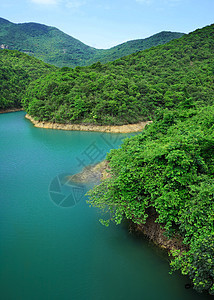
pixel 17 70
pixel 130 89
pixel 162 180
pixel 135 46
pixel 44 42
pixel 165 177
pixel 55 47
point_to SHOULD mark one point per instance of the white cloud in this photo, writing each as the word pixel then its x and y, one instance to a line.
pixel 46 2
pixel 74 3
pixel 173 2
pixel 147 2
pixel 70 4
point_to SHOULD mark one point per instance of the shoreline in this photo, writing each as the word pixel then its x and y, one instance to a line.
pixel 151 230
pixel 156 234
pixel 99 128
pixel 9 110
pixel 91 173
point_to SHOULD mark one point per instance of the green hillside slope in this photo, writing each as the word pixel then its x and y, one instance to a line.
pixel 44 42
pixel 132 88
pixel 162 180
pixel 135 46
pixel 17 70
pixel 166 175
pixel 55 47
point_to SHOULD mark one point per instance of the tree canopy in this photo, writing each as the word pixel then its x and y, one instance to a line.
pixel 130 89
pixel 55 47
pixel 17 70
pixel 168 168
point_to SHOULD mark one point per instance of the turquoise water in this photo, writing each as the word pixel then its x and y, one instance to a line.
pixel 49 251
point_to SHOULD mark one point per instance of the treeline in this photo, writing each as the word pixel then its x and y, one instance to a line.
pixel 169 170
pixel 132 46
pixel 55 47
pixel 128 90
pixel 17 70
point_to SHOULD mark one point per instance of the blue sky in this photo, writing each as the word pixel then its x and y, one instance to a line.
pixel 103 24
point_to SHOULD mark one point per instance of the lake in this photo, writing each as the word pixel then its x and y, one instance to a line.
pixel 52 245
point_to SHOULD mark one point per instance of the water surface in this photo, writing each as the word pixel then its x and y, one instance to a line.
pixel 48 251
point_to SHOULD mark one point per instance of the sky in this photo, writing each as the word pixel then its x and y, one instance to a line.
pixel 106 23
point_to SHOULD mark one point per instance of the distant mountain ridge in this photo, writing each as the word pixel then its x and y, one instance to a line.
pixel 130 89
pixel 55 47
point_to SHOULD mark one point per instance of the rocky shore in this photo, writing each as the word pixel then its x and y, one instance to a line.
pixel 3 111
pixel 91 173
pixel 100 171
pixel 152 230
pixel 112 129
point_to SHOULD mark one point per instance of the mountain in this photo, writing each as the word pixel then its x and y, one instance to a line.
pixel 55 47
pixel 161 180
pixel 17 70
pixel 135 46
pixel 130 89
pixel 44 42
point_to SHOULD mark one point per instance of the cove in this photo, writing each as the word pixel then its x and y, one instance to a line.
pixel 56 249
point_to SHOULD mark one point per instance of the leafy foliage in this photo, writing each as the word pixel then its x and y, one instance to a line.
pixel 178 74
pixel 17 70
pixel 133 46
pixel 55 47
pixel 170 168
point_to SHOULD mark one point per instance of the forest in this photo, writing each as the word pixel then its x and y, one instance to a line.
pixel 55 47
pixel 130 89
pixel 17 70
pixel 168 169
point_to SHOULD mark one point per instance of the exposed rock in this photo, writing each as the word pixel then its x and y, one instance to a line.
pixel 3 46
pixel 150 229
pixel 157 234
pixel 92 173
pixel 80 127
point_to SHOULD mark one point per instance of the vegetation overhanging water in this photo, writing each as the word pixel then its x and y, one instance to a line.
pixel 52 252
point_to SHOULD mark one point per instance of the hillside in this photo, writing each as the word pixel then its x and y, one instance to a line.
pixel 130 89
pixel 44 42
pixel 133 46
pixel 164 175
pixel 55 47
pixel 163 180
pixel 17 70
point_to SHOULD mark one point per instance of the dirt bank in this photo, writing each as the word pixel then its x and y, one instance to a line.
pixel 113 129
